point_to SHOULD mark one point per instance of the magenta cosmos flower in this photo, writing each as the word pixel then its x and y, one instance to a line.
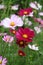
pixel 26 11
pixel 3 61
pixel 8 38
pixel 12 22
pixel 25 34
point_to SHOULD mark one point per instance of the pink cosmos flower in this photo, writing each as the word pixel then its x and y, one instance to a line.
pixel 12 22
pixel 39 20
pixel 3 61
pixel 26 11
pixel 8 38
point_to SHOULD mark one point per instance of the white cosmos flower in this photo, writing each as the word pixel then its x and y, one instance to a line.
pixel 35 5
pixel 33 47
pixel 14 7
pixel 12 22
pixel 28 22
pixel 2 6
pixel 37 29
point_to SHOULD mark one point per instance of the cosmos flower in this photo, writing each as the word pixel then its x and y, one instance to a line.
pixel 25 34
pixel 21 53
pixel 8 38
pixel 26 11
pixel 12 22
pixel 3 61
pixel 13 31
pixel 33 47
pixel 28 22
pixel 39 20
pixel 35 5
pixel 37 29
pixel 22 43
pixel 14 7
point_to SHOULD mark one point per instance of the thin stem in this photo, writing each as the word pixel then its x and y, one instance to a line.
pixel 9 8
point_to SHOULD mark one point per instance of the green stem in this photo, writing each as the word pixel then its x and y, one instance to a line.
pixel 8 7
pixel 26 3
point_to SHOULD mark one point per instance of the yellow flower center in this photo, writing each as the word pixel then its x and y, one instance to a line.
pixel 25 12
pixel 25 36
pixel 20 53
pixel 7 39
pixel 21 42
pixel 14 31
pixel 12 24
pixel 0 61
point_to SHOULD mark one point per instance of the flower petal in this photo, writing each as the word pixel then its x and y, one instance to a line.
pixel 6 22
pixel 18 21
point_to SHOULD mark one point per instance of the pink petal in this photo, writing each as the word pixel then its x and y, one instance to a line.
pixel 4 61
pixel 0 57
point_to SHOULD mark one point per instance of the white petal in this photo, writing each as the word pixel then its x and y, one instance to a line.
pixel 33 6
pixel 15 7
pixel 23 17
pixel 37 29
pixel 41 13
pixel 6 22
pixel 29 46
pixel 33 47
pixel 2 6
pixel 29 23
pixel 31 14
pixel 36 48
pixel 39 6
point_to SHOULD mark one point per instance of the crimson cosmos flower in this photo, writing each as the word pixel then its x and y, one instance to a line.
pixel 12 31
pixel 22 43
pixel 21 53
pixel 25 34
pixel 26 11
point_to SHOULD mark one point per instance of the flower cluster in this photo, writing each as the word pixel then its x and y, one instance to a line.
pixel 19 26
